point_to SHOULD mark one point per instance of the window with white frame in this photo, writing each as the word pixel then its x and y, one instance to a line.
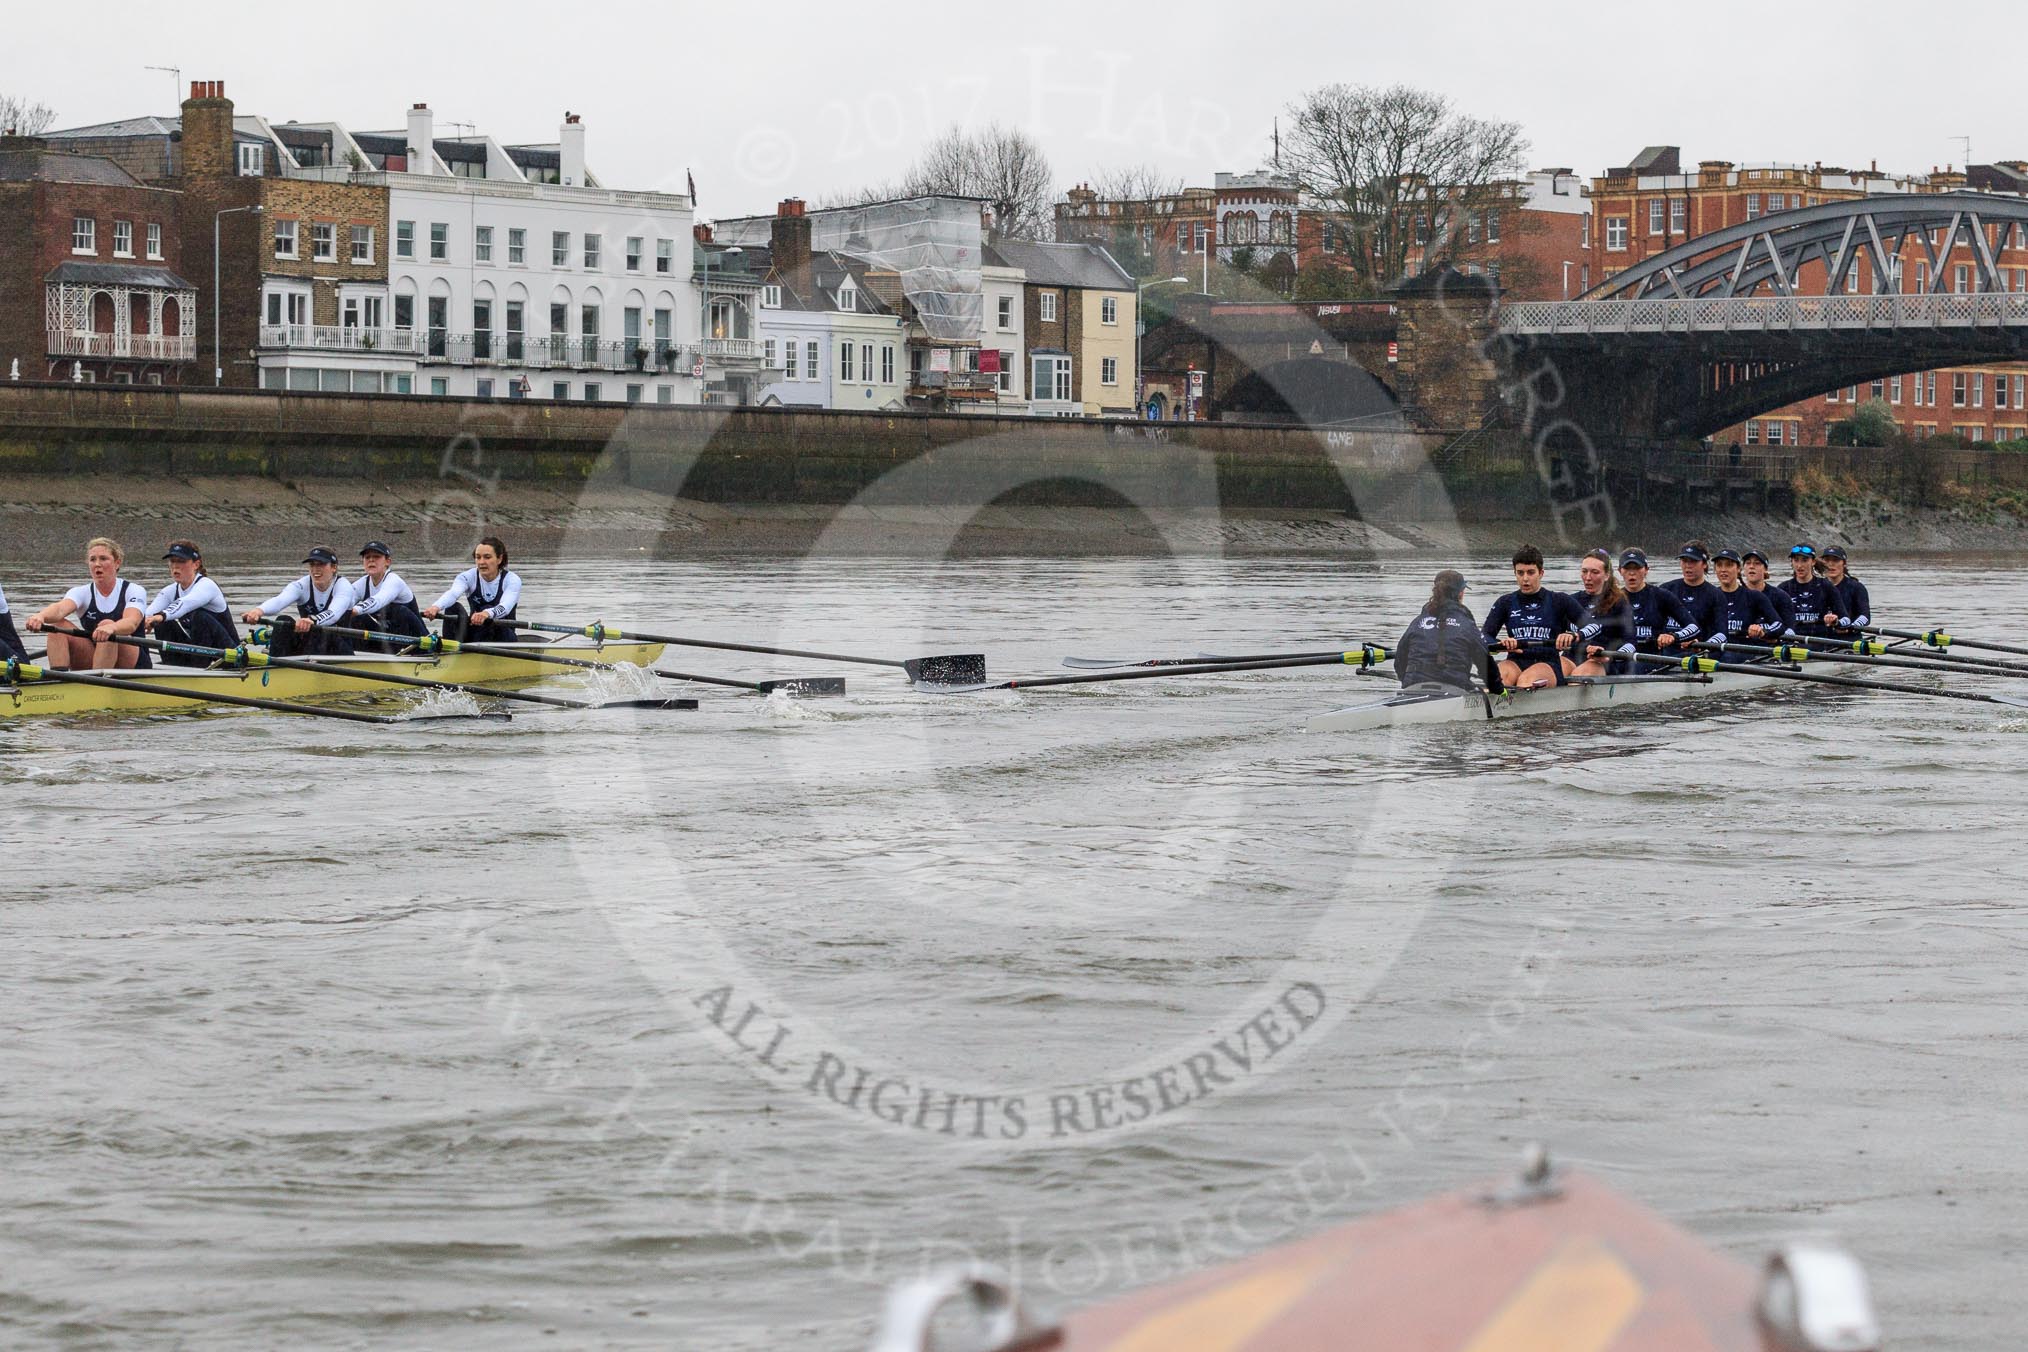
pixel 848 299
pixel 1201 237
pixel 812 362
pixel 845 351
pixel 559 248
pixel 593 244
pixel 440 241
pixel 1961 279
pixel 768 352
pixel 285 239
pixel 771 297
pixel 634 253
pixel 665 394
pixel 2020 389
pixel 866 362
pixel 323 242
pixel 1752 205
pixel 362 244
pixel 517 246
pixel 1046 307
pixel 1656 215
pixel 665 255
pixel 1679 215
pixel 253 159
pixel 1877 391
pixel 1894 390
pixel 1109 310
pixel 1957 389
pixel 1006 372
pixel 1978 389
pixel 1752 432
pixel 1616 234
pixel 1929 381
pixel 1052 379
pixel 154 239
pixel 123 239
pixel 887 363
pixel 789 358
pixel 1109 370
pixel 1006 309
pixel 2000 391
pixel 1493 226
pixel 482 244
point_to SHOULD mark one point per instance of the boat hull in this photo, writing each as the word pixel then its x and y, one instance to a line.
pixel 1409 708
pixel 335 676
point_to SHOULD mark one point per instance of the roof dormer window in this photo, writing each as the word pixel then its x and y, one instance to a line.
pixel 253 159
pixel 848 298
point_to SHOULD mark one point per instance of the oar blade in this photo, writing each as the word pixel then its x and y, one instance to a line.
pixel 803 687
pixel 677 704
pixel 951 669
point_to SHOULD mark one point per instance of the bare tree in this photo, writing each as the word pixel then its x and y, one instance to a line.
pixel 1000 164
pixel 23 117
pixel 1134 183
pixel 1399 173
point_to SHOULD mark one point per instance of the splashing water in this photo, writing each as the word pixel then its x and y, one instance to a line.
pixel 443 703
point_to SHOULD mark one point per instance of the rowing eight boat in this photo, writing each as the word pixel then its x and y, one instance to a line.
pixel 1426 704
pixel 293 683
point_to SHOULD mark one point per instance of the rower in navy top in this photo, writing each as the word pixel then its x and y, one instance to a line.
pixel 479 607
pixel 1605 625
pixel 105 608
pixel 1753 572
pixel 1698 596
pixel 382 601
pixel 1660 621
pixel 1813 601
pixel 1855 607
pixel 10 641
pixel 1538 624
pixel 1743 614
pixel 321 599
pixel 1444 646
pixel 190 609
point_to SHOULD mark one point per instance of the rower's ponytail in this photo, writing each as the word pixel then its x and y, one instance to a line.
pixel 1611 594
pixel 1447 591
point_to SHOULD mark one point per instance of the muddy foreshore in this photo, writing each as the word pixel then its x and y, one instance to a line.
pixel 49 517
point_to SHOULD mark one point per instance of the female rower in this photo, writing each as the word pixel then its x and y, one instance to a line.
pixel 10 641
pixel 1660 621
pixel 382 601
pixel 1538 624
pixel 1753 572
pixel 1743 615
pixel 1812 601
pixel 1698 596
pixel 321 599
pixel 190 609
pixel 1606 624
pixel 1855 607
pixel 479 607
pixel 1443 646
pixel 107 607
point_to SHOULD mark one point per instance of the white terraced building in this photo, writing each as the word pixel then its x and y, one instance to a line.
pixel 511 271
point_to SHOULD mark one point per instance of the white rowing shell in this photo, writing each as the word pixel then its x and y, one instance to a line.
pixel 1405 708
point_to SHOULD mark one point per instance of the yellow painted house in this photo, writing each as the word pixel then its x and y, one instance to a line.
pixel 1080 311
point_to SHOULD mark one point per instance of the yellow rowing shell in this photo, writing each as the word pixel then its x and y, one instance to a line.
pixel 335 676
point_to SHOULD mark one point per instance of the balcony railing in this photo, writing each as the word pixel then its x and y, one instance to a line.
pixel 956 382
pixel 732 348
pixel 135 346
pixel 548 352
pixel 329 338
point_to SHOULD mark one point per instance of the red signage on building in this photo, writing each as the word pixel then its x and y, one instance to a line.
pixel 989 361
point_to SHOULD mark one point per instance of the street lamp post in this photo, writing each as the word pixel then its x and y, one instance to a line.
pixel 1140 328
pixel 217 338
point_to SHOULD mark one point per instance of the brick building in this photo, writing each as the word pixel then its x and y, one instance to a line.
pixel 91 282
pixel 1167 236
pixel 1651 205
pixel 1079 322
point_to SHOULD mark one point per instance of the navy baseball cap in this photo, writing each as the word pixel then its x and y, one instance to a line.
pixel 1802 552
pixel 1633 558
pixel 179 550
pixel 1835 552
pixel 1753 554
pixel 376 547
pixel 320 555
pixel 1694 552
pixel 1726 556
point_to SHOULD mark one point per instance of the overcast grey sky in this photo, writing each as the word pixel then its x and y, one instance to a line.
pixel 790 97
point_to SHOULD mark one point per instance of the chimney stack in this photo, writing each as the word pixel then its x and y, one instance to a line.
pixel 790 245
pixel 570 152
pixel 207 146
pixel 422 139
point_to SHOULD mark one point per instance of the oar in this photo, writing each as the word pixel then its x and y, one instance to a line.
pixel 16 672
pixel 1708 665
pixel 1361 658
pixel 1796 653
pixel 1201 659
pixel 242 658
pixel 950 669
pixel 1938 639
pixel 430 643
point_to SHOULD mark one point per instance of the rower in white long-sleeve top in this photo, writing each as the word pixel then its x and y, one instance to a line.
pixel 191 609
pixel 10 641
pixel 479 606
pixel 382 601
pixel 320 599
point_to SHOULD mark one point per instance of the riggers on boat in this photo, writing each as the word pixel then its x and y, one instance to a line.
pixel 1443 704
pixel 334 676
pixel 1549 1264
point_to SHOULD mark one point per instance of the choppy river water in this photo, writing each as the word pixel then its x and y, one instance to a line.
pixel 696 1030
